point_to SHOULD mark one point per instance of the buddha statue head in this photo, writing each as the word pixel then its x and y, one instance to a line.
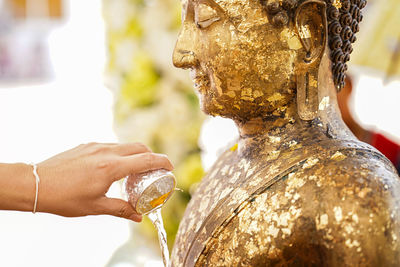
pixel 263 58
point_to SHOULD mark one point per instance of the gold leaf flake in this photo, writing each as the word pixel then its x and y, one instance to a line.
pixel 337 4
pixel 234 147
pixel 338 156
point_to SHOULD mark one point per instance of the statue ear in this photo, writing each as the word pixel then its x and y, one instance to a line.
pixel 311 27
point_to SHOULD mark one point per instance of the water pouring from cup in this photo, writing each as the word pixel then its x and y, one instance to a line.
pixel 147 193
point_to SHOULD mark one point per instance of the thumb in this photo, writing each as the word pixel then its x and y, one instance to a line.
pixel 120 208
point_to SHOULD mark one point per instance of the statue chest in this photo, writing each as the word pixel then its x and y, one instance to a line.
pixel 247 215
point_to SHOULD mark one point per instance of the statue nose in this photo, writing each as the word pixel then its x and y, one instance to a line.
pixel 184 54
pixel 184 59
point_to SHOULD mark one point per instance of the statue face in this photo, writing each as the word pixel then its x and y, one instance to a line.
pixel 241 64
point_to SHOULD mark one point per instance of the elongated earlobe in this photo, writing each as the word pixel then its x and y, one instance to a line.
pixel 307 95
pixel 311 26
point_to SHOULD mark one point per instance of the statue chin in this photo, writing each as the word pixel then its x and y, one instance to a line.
pixel 211 107
pixel 298 189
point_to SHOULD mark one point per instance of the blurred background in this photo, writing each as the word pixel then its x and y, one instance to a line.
pixel 74 71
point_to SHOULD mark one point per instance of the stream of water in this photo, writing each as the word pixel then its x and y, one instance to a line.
pixel 156 218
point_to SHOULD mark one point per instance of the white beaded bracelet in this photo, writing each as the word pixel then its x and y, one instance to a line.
pixel 37 185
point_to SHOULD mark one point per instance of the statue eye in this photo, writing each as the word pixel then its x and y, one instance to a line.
pixel 205 23
pixel 205 16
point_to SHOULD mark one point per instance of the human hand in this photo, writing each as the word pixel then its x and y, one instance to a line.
pixel 74 183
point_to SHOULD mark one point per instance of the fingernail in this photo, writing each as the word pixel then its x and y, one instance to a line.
pixel 170 163
pixel 136 218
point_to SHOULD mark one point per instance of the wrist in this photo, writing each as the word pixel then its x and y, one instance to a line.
pixel 17 187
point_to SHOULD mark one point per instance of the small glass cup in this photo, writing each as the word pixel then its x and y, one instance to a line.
pixel 150 190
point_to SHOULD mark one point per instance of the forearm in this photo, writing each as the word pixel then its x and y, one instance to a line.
pixel 17 187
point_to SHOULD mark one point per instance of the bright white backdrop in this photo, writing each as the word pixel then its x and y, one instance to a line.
pixel 37 122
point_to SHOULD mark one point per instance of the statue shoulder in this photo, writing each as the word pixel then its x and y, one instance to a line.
pixel 312 203
pixel 336 209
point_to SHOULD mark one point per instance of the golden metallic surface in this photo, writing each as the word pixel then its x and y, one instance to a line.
pixel 337 4
pixel 298 189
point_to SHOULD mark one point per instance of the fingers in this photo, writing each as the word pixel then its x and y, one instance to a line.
pixel 131 149
pixel 142 163
pixel 119 208
pixel 119 149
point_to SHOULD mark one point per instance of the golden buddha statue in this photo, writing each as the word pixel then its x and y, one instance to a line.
pixel 298 189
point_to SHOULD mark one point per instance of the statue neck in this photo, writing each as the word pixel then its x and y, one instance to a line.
pixel 270 132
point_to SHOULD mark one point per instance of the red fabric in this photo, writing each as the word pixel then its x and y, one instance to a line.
pixel 388 148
